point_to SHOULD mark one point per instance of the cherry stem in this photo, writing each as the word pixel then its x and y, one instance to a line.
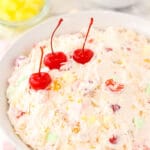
pixel 59 22
pixel 42 51
pixel 91 22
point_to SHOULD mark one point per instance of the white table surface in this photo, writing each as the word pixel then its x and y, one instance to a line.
pixel 57 7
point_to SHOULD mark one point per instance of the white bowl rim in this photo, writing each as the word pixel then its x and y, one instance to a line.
pixel 127 16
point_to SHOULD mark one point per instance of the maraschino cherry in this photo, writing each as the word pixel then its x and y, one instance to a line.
pixel 83 55
pixel 55 60
pixel 40 80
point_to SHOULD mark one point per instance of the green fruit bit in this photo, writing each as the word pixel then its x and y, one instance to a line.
pixel 52 137
pixel 148 89
pixel 138 122
pixel 23 78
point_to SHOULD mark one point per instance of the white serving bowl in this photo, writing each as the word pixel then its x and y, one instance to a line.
pixel 72 23
pixel 113 3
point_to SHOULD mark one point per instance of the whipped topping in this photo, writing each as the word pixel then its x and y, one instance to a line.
pixel 74 112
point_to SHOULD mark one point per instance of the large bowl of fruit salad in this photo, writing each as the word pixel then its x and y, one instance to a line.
pixel 78 81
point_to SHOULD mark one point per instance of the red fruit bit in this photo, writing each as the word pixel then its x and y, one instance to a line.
pixel 20 114
pixel 115 107
pixel 128 48
pixel 114 86
pixel 91 40
pixel 146 147
pixel 113 139
pixel 108 49
pixel 83 55
pixel 39 80
pixel 55 60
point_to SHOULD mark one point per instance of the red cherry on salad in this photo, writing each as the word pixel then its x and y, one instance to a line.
pixel 83 55
pixel 55 60
pixel 40 80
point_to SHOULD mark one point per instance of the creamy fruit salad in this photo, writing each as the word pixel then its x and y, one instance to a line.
pixel 102 104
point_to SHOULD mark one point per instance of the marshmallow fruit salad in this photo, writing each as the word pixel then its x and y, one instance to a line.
pixel 88 90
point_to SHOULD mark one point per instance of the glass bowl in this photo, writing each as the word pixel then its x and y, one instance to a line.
pixel 29 22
